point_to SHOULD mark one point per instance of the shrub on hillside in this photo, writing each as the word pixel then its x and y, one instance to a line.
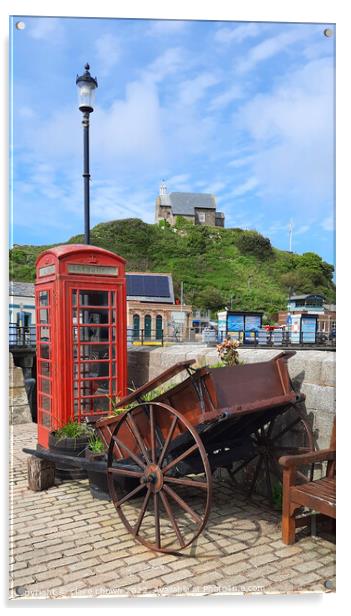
pixel 253 243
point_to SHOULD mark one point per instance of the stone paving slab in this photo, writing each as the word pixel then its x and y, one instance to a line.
pixel 64 543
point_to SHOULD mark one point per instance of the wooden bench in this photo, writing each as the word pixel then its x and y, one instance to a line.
pixel 318 495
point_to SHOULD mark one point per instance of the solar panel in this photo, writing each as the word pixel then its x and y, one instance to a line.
pixel 147 286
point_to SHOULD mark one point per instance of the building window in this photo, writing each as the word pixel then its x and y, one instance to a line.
pixel 159 323
pixel 23 319
pixel 136 326
pixel 147 326
pixel 202 217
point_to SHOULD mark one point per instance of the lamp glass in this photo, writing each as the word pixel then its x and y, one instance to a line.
pixel 86 95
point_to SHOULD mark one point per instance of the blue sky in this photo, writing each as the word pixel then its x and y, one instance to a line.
pixel 243 110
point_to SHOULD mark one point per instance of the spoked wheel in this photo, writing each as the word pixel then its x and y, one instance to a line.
pixel 288 433
pixel 159 477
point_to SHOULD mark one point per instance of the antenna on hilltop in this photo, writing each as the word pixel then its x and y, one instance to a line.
pixel 290 235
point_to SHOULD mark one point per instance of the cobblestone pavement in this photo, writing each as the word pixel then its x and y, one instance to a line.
pixel 65 543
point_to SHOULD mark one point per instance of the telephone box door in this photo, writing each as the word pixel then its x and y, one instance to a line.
pixel 96 348
pixel 45 320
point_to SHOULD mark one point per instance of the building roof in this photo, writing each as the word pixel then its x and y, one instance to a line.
pixel 184 203
pixel 294 297
pixel 23 289
pixel 150 287
pixel 143 287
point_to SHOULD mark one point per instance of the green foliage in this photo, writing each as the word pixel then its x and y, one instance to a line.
pixel 73 429
pixel 218 267
pixel 211 299
pixel 95 444
pixel 277 492
pixel 253 243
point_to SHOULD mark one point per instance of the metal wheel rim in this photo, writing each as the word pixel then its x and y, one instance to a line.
pixel 207 472
pixel 301 418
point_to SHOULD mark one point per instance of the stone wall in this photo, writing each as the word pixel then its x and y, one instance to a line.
pixel 18 401
pixel 312 372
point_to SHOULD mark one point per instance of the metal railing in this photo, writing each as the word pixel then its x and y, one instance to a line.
pixel 22 336
pixel 279 338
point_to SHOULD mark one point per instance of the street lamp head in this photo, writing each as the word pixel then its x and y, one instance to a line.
pixel 86 90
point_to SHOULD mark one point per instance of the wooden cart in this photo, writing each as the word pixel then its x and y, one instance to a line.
pixel 162 452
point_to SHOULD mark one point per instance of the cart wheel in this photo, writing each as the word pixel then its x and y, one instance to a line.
pixel 161 451
pixel 287 433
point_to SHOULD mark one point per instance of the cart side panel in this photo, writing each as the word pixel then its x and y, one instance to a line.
pixel 251 383
pixel 194 398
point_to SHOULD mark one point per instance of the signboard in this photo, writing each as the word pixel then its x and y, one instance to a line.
pixel 252 325
pixel 222 325
pixel 46 271
pixel 100 270
pixel 295 328
pixel 235 323
pixel 178 317
pixel 308 329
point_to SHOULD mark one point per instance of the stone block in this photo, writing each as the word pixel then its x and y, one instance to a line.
pixel 328 370
pixel 20 414
pixel 319 398
pixel 16 377
pixel 323 425
pixel 17 396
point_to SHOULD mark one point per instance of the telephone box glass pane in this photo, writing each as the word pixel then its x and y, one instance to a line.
pixel 44 298
pixel 45 386
pixel 46 403
pixel 44 368
pixel 93 298
pixel 45 334
pixel 90 352
pixel 43 315
pixel 45 420
pixel 44 351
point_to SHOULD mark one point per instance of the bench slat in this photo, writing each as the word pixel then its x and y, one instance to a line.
pixel 319 495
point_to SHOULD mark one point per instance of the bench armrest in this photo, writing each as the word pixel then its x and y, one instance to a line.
pixel 307 458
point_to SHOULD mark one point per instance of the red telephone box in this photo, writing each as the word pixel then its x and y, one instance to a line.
pixel 80 298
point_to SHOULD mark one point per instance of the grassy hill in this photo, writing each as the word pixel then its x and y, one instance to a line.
pixel 218 267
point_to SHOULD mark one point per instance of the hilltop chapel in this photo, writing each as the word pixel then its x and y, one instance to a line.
pixel 198 208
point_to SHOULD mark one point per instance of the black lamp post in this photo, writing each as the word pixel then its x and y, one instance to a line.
pixel 86 91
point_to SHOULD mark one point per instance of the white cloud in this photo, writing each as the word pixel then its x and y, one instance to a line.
pixel 228 96
pixel 241 162
pixel 270 47
pixel 244 188
pixel 167 26
pixel 45 29
pixel 328 224
pixel 178 182
pixel 292 131
pixel 192 90
pixel 169 62
pixel 108 53
pixel 214 187
pixel 129 132
pixel 238 34
pixel 301 230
